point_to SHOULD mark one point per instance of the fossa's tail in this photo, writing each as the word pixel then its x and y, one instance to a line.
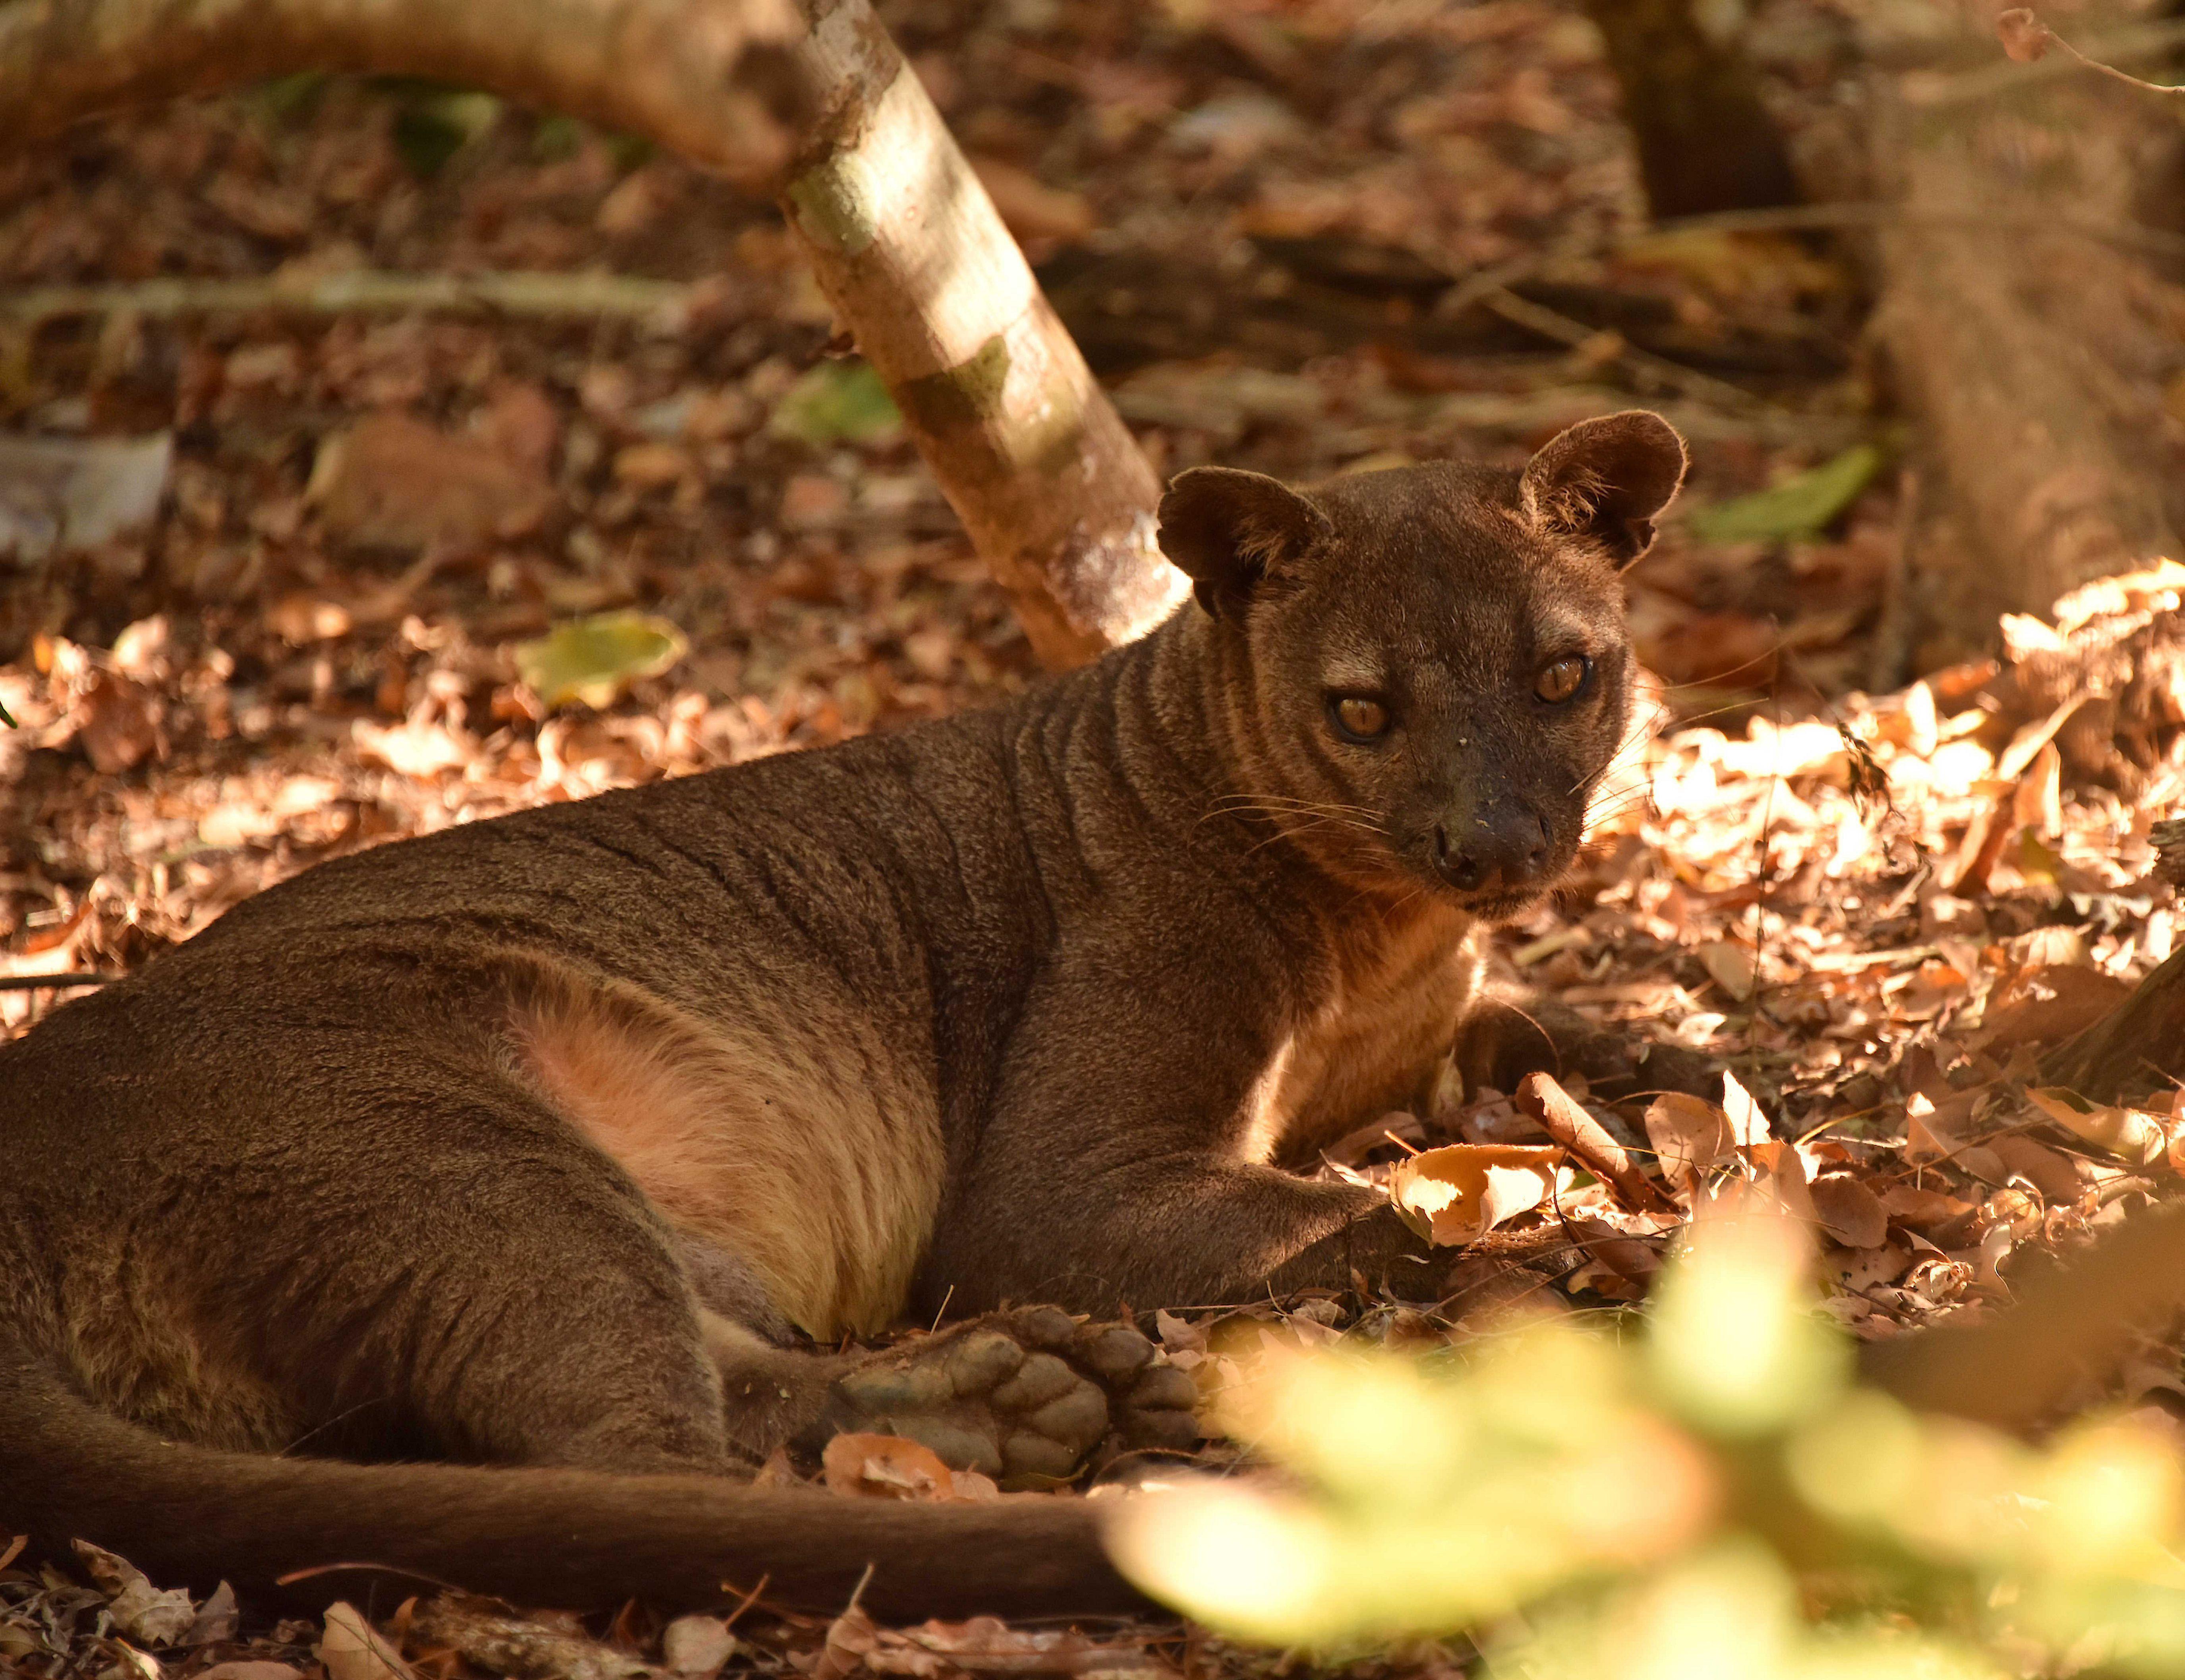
pixel 569 1538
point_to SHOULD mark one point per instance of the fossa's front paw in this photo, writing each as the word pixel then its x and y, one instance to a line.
pixel 1026 1397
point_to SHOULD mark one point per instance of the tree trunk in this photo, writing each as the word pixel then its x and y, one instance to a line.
pixel 806 99
pixel 1706 143
pixel 2033 351
pixel 2136 1049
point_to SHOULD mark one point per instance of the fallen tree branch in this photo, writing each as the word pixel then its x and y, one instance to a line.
pixel 363 292
pixel 807 100
pixel 710 80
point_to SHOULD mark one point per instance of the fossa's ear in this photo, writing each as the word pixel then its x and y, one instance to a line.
pixel 1604 480
pixel 1227 529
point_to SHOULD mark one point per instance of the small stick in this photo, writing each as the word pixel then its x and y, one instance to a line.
pixel 54 982
pixel 1563 1119
pixel 2026 40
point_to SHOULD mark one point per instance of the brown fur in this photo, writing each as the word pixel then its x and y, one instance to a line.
pixel 535 1144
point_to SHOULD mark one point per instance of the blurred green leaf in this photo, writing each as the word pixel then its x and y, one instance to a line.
pixel 593 660
pixel 287 98
pixel 1735 1346
pixel 1803 507
pixel 557 138
pixel 837 402
pixel 432 122
pixel 1588 1506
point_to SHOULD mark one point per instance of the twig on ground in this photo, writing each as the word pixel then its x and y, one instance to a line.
pixel 1563 1119
pixel 1658 371
pixel 2027 39
pixel 362 291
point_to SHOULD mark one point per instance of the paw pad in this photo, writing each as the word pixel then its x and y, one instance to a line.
pixel 1026 1396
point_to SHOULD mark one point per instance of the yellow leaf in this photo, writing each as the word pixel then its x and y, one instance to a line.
pixel 593 660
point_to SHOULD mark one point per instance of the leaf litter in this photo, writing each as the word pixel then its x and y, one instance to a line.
pixel 396 571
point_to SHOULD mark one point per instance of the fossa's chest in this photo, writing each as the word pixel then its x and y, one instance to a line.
pixel 1390 1014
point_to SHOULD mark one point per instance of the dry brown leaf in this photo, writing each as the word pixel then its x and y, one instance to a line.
pixel 1848 1211
pixel 1032 209
pixel 416 748
pixel 139 1609
pixel 1733 967
pixel 1456 1194
pixel 699 1645
pixel 1925 1138
pixel 1748 1126
pixel 2024 37
pixel 1691 1137
pixel 118 721
pixel 352 1648
pixel 2131 1134
pixel 1567 1122
pixel 217 1618
pixel 851 1638
pixel 1922 1208
pixel 2049 1003
pixel 300 618
pixel 1859 1269
pixel 2046 1169
pixel 393 482
pixel 1780 1175
pixel 886 1466
pixel 1631 1258
pixel 487 1636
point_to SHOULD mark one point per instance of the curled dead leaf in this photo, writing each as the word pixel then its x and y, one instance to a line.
pixel 2133 1134
pixel 698 1645
pixel 1632 1258
pixel 2047 1170
pixel 352 1648
pixel 886 1467
pixel 1456 1194
pixel 1691 1137
pixel 139 1609
pixel 2024 37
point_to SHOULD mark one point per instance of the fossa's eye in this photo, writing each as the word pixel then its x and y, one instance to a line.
pixel 1357 718
pixel 1561 678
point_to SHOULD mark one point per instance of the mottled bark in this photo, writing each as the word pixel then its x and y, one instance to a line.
pixel 807 99
pixel 2034 358
pixel 2137 1050
pixel 912 253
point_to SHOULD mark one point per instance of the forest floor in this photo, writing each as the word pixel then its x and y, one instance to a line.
pixel 1302 237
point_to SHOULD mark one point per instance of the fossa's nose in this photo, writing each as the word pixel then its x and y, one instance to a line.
pixel 1501 848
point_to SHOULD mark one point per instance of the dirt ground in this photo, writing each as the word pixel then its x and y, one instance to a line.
pixel 1263 223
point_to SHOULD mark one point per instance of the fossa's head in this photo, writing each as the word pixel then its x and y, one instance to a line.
pixel 1438 666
